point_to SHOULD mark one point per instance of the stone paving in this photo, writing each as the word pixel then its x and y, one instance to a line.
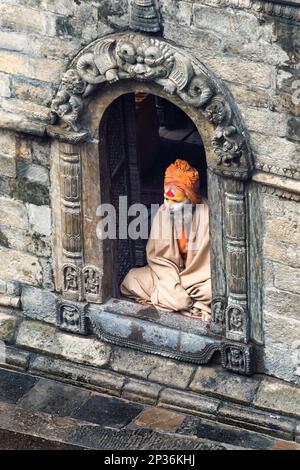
pixel 39 413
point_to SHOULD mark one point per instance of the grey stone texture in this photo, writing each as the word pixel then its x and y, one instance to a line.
pixel 41 337
pixel 254 54
pixel 217 382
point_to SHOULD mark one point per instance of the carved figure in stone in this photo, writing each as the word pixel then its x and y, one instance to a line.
pixel 70 316
pixel 218 312
pixel 235 318
pixel 228 144
pixel 68 102
pixel 91 281
pixel 70 278
pixel 235 358
pixel 177 277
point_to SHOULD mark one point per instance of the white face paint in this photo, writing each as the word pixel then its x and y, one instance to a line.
pixel 174 206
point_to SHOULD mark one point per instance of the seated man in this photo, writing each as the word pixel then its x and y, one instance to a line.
pixel 177 277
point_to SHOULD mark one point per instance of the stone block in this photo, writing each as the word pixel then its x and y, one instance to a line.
pixel 249 96
pixel 179 12
pixel 13 213
pixel 7 326
pixel 241 71
pixel 281 252
pixel 217 382
pixel 48 70
pixel 45 338
pixel 15 359
pixel 189 402
pixel 41 152
pixel 278 396
pixel 34 173
pixel 283 303
pixel 26 108
pixel 5 90
pixel 14 385
pixel 282 228
pixel 18 266
pixel 159 419
pixel 40 219
pixel 264 121
pixel 280 361
pixel 277 152
pixel 135 363
pixel 100 380
pixel 172 373
pixel 140 391
pixel 39 304
pixel 8 166
pixel 257 420
pixel 49 396
pixel 21 240
pixel 288 279
pixel 30 20
pixel 27 91
pixel 280 329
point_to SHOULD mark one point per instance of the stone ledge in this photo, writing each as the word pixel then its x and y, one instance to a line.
pixel 279 182
pixel 257 420
pixel 140 391
pixel 37 336
pixel 15 359
pixel 98 380
pixel 215 381
pixel 19 123
pixel 271 396
pixel 189 402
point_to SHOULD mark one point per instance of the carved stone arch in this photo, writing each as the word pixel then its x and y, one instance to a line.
pixel 127 63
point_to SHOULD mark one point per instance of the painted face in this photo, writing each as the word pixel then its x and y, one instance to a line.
pixel 174 198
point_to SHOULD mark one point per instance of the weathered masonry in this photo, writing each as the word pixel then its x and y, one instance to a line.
pixel 70 76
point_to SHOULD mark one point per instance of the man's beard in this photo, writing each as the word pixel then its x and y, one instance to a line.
pixel 181 213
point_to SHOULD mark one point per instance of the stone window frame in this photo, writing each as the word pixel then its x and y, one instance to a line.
pixel 81 272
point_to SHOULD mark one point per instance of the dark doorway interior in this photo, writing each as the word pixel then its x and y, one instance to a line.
pixel 144 135
pixel 164 133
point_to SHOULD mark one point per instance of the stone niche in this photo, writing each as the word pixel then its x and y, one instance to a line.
pixel 101 80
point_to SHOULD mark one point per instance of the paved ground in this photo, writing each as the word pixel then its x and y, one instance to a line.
pixel 38 413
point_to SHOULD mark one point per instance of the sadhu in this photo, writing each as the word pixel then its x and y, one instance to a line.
pixel 177 275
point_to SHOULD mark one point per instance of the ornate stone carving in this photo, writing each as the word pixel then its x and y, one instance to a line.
pixel 237 357
pixel 71 278
pixel 68 102
pixel 144 16
pixel 91 283
pixel 70 179
pixel 235 318
pixel 144 58
pixel 237 322
pixel 228 144
pixel 72 317
pixel 218 314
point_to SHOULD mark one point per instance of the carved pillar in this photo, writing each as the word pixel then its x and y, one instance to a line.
pixel 70 182
pixel 236 315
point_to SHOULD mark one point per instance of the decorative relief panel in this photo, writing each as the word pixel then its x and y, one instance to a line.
pixel 134 56
pixel 237 358
pixel 72 317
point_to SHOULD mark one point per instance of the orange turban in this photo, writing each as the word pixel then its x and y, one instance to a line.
pixel 185 177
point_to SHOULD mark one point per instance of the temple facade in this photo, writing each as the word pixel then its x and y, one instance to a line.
pixel 89 91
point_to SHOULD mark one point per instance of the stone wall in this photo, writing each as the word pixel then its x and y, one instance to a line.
pixel 257 56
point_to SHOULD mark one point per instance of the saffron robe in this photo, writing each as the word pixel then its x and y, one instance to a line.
pixel 164 282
